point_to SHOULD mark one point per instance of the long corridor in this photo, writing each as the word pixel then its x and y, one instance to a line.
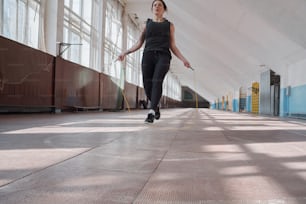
pixel 197 156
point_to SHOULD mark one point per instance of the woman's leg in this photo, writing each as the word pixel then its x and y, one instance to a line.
pixel 161 69
pixel 148 66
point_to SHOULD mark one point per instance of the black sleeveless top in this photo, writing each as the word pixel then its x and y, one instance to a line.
pixel 157 36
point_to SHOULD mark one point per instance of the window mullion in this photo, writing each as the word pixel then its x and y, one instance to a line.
pixel 81 19
pixel 26 30
pixel 17 20
pixel 1 17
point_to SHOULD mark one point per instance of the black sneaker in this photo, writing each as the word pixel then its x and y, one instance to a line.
pixel 157 113
pixel 150 118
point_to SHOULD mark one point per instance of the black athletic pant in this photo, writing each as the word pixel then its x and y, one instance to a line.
pixel 155 65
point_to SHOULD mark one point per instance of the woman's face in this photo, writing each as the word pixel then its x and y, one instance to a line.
pixel 158 8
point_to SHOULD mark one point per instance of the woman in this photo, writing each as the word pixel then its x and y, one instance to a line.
pixel 159 36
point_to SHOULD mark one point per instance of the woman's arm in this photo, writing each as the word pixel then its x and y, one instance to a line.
pixel 135 47
pixel 174 48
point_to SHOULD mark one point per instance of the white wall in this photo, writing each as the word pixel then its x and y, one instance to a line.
pixel 297 74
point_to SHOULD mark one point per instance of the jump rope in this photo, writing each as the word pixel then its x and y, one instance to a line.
pixel 125 98
pixel 124 95
pixel 120 79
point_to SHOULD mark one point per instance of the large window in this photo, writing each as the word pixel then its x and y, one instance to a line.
pixel 133 71
pixel 172 87
pixel 81 31
pixel 21 21
pixel 113 38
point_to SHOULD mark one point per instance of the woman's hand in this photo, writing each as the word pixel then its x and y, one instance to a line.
pixel 121 56
pixel 186 64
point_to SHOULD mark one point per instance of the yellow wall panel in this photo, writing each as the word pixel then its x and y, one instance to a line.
pixel 255 97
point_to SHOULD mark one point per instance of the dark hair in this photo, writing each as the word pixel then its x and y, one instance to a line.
pixel 165 6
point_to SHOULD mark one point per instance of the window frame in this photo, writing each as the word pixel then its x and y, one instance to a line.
pixel 23 35
pixel 89 32
pixel 113 26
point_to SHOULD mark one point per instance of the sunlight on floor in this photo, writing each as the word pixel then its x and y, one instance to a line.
pixel 265 128
pixel 240 171
pixel 103 121
pixel 59 129
pixel 34 158
pixel 213 129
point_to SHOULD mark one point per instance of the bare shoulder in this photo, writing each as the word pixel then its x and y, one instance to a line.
pixel 143 30
pixel 172 27
pixel 143 33
pixel 143 27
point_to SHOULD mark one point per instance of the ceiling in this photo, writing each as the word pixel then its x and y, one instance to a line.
pixel 230 42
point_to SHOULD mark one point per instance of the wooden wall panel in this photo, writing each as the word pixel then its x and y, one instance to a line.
pixel 130 91
pixel 141 94
pixel 112 95
pixel 166 102
pixel 31 78
pixel 141 97
pixel 26 75
pixel 75 85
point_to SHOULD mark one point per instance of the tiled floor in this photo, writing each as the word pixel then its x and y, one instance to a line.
pixel 189 156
